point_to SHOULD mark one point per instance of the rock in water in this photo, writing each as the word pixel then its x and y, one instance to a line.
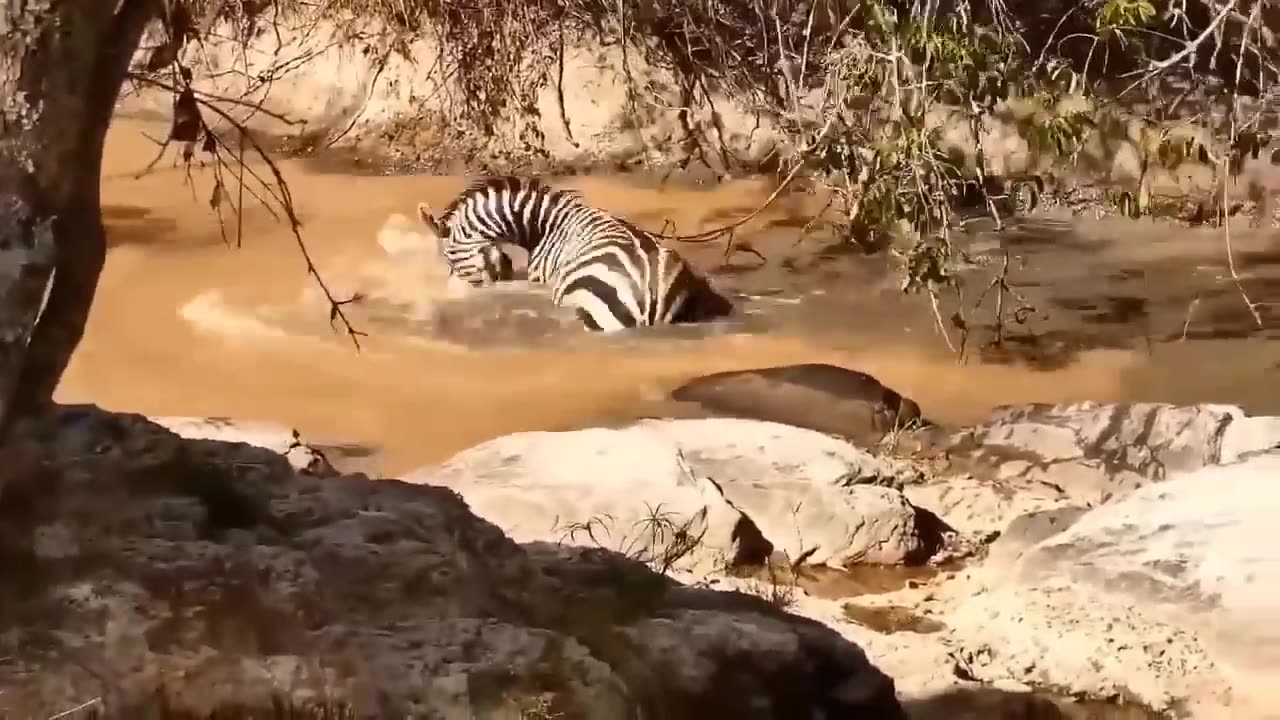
pixel 821 397
pixel 142 574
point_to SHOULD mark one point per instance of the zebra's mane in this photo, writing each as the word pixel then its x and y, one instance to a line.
pixel 484 184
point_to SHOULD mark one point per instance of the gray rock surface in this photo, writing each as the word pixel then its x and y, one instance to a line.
pixel 142 573
pixel 1150 577
pixel 1031 458
pixel 1167 595
pixel 728 482
pixel 1030 529
pixel 982 505
pixel 1082 642
pixel 1091 452
pixel 1199 549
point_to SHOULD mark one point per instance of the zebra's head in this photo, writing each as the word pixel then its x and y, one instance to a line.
pixel 482 263
pixel 438 233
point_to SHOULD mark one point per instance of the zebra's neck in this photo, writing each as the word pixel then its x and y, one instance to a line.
pixel 542 218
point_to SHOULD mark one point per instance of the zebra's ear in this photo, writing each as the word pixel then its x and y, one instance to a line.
pixel 424 214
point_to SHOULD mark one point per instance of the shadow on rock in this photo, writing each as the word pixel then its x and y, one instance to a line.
pixel 203 578
pixel 993 704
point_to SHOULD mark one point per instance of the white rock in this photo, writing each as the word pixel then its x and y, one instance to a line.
pixel 1093 452
pixel 1247 435
pixel 803 489
pixel 982 506
pixel 590 487
pixel 1199 549
pixel 806 492
pixel 1056 635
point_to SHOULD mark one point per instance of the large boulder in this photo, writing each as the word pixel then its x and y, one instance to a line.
pixel 1091 452
pixel 143 574
pixel 736 489
pixel 1167 595
pixel 1198 550
pixel 982 505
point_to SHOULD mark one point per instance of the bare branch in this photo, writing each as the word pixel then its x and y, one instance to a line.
pixel 189 128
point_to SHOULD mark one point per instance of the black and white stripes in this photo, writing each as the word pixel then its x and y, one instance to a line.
pixel 613 274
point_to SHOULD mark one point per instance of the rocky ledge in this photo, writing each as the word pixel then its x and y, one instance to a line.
pixel 1112 552
pixel 146 575
pixel 1075 561
pixel 1117 553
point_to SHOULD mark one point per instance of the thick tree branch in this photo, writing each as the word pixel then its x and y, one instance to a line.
pixel 79 238
pixel 62 68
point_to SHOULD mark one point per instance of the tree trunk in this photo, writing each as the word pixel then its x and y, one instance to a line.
pixel 62 63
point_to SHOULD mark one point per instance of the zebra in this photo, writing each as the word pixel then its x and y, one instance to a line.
pixel 612 274
pixel 488 264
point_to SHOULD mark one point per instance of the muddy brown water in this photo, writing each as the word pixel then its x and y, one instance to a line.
pixel 1108 297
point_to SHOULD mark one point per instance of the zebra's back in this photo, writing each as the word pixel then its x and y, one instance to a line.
pixel 617 276
pixel 613 274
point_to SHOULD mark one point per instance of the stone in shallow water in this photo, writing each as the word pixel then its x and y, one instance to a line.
pixel 822 397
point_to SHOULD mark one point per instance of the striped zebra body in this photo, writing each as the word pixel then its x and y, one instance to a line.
pixel 483 266
pixel 613 274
